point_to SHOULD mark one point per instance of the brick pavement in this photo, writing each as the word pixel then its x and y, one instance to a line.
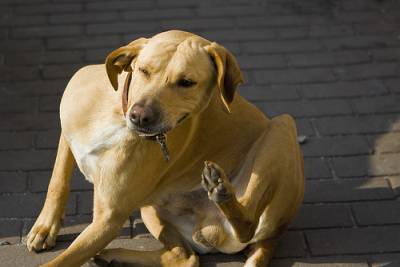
pixel 333 64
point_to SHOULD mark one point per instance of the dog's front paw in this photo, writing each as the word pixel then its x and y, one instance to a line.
pixel 44 232
pixel 215 182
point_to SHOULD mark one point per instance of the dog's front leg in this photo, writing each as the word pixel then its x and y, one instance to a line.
pixel 44 231
pixel 107 223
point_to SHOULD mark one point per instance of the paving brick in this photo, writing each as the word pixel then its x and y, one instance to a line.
pixel 111 40
pixel 377 165
pixel 139 228
pixel 26 160
pixel 15 20
pixel 49 103
pixel 354 125
pixel 291 245
pixel 48 57
pixel 319 262
pixel 384 164
pixel 304 127
pixel 13 140
pixel 314 108
pixel 273 21
pixel 17 45
pixel 331 30
pixel 119 5
pixel 47 8
pixel 10 231
pixel 229 11
pixel 388 54
pixel 379 27
pixel 351 241
pixel 377 213
pixel 389 142
pixel 47 139
pixel 286 46
pixel 12 182
pixel 328 59
pixel 18 73
pixel 34 88
pixel 381 260
pixel 336 146
pixel 316 168
pixel 353 42
pixel 259 93
pixel 357 17
pixel 45 31
pixel 60 71
pixel 85 17
pixel 158 14
pixel 394 182
pixel 85 203
pixel 367 71
pixel 323 216
pixel 332 64
pixel 293 76
pixel 292 33
pixel 21 121
pixel 379 104
pixel 238 35
pixel 342 89
pixel 262 61
pixel 393 85
pixel 25 58
pixel 120 27
pixel 198 24
pixel 347 190
pixel 27 205
pixel 17 104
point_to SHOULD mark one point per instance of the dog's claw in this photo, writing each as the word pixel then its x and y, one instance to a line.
pixel 215 182
pixel 43 234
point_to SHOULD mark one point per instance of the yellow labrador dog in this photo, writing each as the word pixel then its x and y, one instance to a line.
pixel 170 136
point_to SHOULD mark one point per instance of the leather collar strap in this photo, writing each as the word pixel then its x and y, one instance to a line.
pixel 125 93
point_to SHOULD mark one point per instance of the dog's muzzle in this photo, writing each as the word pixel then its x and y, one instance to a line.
pixel 140 118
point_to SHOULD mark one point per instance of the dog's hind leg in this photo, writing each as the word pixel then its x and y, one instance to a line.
pixel 260 253
pixel 176 252
pixel 275 180
pixel 44 231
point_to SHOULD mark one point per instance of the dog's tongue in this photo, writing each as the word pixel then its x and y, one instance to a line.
pixel 160 138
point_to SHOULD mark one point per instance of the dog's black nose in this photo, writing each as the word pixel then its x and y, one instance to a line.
pixel 142 116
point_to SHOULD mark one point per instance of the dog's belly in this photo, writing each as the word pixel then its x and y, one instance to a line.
pixel 191 211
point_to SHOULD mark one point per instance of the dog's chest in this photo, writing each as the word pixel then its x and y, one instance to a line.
pixel 99 147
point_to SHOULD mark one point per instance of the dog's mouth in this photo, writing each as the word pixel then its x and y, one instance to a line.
pixel 159 135
pixel 145 132
pixel 153 132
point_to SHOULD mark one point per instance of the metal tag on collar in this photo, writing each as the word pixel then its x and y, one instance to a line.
pixel 160 138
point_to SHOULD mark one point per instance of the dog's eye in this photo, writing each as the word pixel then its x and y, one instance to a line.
pixel 186 83
pixel 144 71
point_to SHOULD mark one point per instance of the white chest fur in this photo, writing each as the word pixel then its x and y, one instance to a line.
pixel 88 153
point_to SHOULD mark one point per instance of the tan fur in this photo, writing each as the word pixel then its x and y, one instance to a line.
pixel 259 158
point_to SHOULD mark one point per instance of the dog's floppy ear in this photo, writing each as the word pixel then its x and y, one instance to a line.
pixel 121 59
pixel 229 75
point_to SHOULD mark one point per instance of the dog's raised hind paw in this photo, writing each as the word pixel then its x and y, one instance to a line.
pixel 215 182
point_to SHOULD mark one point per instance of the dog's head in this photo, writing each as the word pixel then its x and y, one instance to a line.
pixel 174 75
